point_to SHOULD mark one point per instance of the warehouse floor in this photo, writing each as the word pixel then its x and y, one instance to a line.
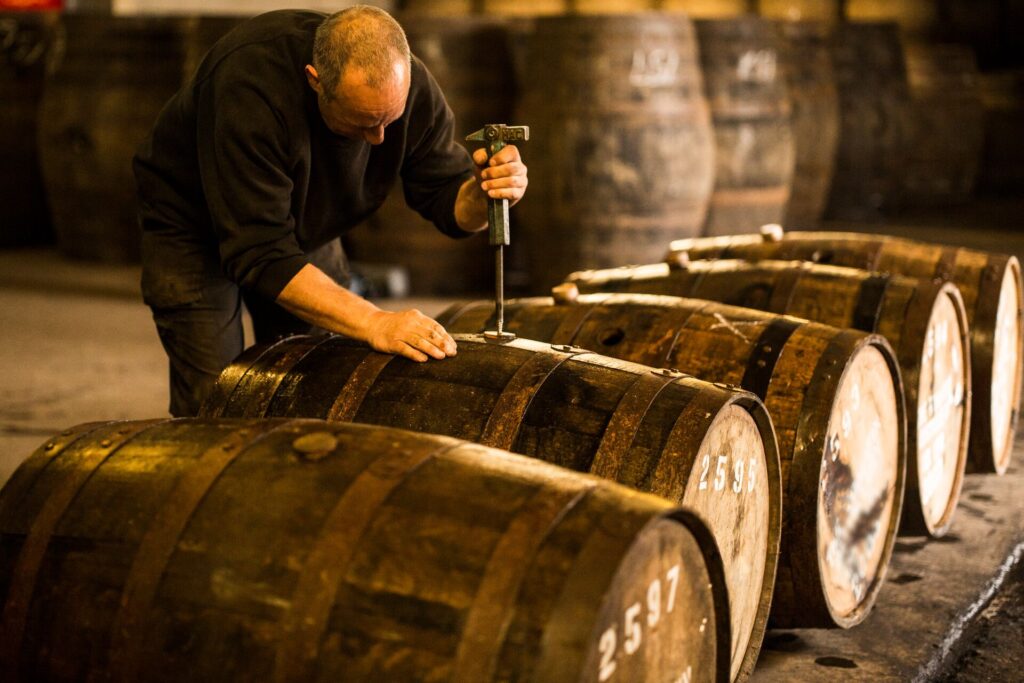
pixel 78 345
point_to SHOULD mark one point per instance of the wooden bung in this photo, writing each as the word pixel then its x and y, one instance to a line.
pixel 297 550
pixel 709 446
pixel 922 319
pixel 835 398
pixel 993 296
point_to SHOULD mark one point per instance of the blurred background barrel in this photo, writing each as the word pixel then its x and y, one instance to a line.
pixel 278 545
pixel 944 126
pixel 1002 159
pixel 815 101
pixel 745 81
pixel 873 98
pixel 706 9
pixel 915 18
pixel 522 8
pixel 25 38
pixel 108 78
pixel 201 32
pixel 623 149
pixel 828 12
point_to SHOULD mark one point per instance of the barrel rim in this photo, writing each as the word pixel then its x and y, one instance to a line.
pixel 984 456
pixel 915 521
pixel 757 410
pixel 803 479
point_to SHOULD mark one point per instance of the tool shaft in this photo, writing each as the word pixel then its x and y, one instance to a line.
pixel 499 287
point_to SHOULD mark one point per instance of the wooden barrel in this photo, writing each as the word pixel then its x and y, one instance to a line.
pixel 836 400
pixel 25 38
pixel 924 321
pixel 990 27
pixel 173 550
pixel 812 91
pixel 750 114
pixel 706 9
pixel 472 62
pixel 201 32
pixel 529 8
pixel 107 80
pixel 872 84
pixel 916 18
pixel 653 430
pixel 992 293
pixel 1002 165
pixel 945 126
pixel 828 12
pixel 608 131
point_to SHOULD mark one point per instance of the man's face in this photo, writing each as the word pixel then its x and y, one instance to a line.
pixel 359 111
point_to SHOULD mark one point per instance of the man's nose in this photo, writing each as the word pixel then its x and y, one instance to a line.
pixel 374 136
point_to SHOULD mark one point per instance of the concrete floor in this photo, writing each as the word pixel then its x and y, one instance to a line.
pixel 77 344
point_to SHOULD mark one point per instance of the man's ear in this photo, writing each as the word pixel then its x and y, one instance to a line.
pixel 313 78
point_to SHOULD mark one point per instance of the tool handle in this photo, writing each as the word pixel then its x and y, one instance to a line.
pixel 498 233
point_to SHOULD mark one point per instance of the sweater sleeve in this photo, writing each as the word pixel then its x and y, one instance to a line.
pixel 435 165
pixel 243 164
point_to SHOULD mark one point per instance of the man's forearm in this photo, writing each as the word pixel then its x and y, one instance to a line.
pixel 314 297
pixel 471 207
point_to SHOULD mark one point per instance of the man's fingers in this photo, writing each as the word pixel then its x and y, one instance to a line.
pixel 411 352
pixel 502 183
pixel 438 338
pixel 507 155
pixel 515 168
pixel 480 157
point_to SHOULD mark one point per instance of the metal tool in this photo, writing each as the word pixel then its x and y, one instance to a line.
pixel 495 136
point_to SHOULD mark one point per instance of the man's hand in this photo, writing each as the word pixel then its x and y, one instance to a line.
pixel 319 300
pixel 411 334
pixel 503 177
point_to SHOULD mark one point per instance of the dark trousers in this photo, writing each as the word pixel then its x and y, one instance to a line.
pixel 198 316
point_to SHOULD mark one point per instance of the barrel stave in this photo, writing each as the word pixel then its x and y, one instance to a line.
pixel 906 310
pixel 405 537
pixel 984 279
pixel 609 417
pixel 630 93
pixel 802 370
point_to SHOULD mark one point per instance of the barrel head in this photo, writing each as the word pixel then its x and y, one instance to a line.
pixel 731 492
pixel 860 487
pixel 657 621
pixel 1006 368
pixel 943 413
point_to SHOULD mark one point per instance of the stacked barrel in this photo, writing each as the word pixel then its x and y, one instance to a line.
pixel 695 116
pixel 666 460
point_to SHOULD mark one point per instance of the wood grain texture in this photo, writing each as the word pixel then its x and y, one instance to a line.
pixel 561 404
pixel 873 103
pixel 628 97
pixel 909 312
pixel 802 369
pixel 751 111
pixel 386 556
pixel 993 297
pixel 815 103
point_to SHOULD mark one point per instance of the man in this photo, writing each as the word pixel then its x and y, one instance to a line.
pixel 294 129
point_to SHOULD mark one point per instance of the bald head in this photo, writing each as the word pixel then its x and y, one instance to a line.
pixel 363 39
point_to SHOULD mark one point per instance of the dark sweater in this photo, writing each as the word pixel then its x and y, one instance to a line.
pixel 241 164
